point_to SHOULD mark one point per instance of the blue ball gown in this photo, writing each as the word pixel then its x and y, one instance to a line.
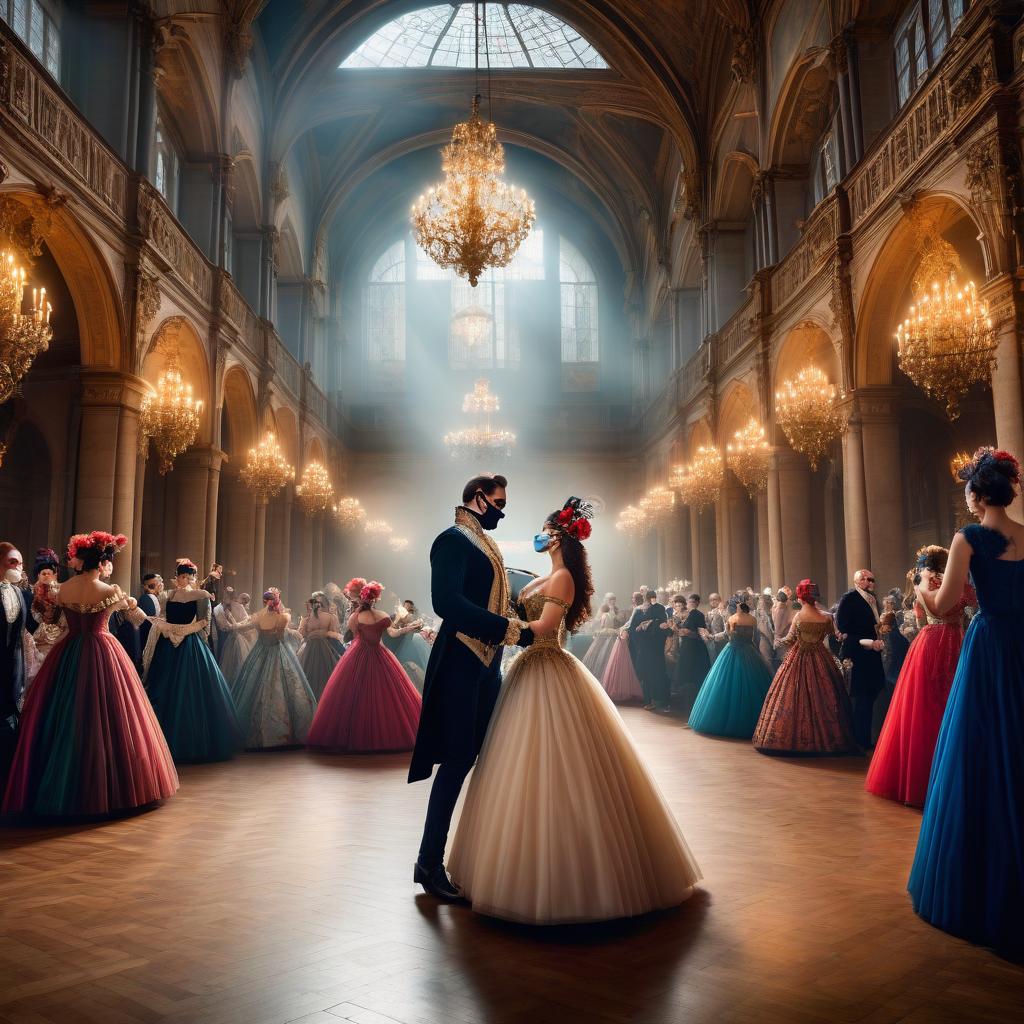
pixel 187 688
pixel 274 701
pixel 968 873
pixel 730 701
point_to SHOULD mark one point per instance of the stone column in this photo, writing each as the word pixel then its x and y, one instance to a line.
pixel 215 460
pixel 855 508
pixel 741 539
pixel 794 475
pixel 773 503
pixel 763 540
pixel 880 436
pixel 723 540
pixel 696 551
pixel 1006 391
pixel 259 549
pixel 279 525
pixel 147 76
pixel 268 272
pixel 191 480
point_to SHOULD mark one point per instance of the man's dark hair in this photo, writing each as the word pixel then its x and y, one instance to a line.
pixel 487 484
pixel 695 597
pixel 651 595
pixel 147 576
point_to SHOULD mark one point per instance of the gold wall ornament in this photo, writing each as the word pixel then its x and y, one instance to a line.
pixel 22 335
pixel 349 513
pixel 947 343
pixel 702 479
pixel 749 456
pixel 315 490
pixel 473 220
pixel 959 461
pixel 808 410
pixel 267 470
pixel 632 522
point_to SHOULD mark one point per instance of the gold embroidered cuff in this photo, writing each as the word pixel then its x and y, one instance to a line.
pixel 512 634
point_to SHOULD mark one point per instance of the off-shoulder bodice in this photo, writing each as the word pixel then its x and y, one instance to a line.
pixel 741 634
pixel 371 632
pixel 810 634
pixel 84 619
pixel 533 604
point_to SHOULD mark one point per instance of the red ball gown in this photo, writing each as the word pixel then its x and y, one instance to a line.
pixel 89 742
pixel 369 704
pixel 903 756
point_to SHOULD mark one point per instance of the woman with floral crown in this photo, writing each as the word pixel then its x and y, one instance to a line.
pixel 968 873
pixel 273 698
pixel 185 684
pixel 563 822
pixel 903 756
pixel 807 710
pixel 369 703
pixel 89 743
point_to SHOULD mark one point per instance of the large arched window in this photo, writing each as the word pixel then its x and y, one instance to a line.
pixel 384 305
pixel 34 21
pixel 443 35
pixel 578 285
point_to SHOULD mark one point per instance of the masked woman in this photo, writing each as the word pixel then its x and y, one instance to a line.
pixel 185 684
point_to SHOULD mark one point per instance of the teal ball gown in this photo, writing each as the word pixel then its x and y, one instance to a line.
pixel 730 701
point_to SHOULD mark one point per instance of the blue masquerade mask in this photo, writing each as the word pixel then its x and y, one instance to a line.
pixel 542 542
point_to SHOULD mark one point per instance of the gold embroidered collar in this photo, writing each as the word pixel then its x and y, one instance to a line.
pixel 498 602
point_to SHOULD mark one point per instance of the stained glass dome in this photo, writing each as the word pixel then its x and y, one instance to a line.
pixel 442 36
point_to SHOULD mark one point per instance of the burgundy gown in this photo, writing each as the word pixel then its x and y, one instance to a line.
pixel 369 704
pixel 89 742
pixel 903 756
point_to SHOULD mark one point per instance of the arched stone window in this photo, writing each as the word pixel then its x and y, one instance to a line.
pixel 578 285
pixel 384 318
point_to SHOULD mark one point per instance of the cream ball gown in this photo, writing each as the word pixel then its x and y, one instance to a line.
pixel 562 820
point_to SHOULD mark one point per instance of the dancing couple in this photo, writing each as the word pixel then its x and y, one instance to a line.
pixel 562 820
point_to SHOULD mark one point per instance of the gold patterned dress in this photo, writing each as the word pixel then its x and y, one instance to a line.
pixel 563 822
pixel 807 710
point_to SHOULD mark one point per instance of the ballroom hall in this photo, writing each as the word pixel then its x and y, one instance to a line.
pixel 511 512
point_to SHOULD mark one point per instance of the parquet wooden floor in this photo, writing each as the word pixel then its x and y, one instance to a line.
pixel 277 888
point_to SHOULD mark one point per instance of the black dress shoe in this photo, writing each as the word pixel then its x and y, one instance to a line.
pixel 436 883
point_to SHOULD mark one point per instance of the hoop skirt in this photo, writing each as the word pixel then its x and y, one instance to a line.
pixel 89 742
pixel 369 704
pixel 600 651
pixel 903 756
pixel 235 646
pixel 318 657
pixel 730 701
pixel 563 821
pixel 807 710
pixel 275 704
pixel 968 873
pixel 620 680
pixel 188 691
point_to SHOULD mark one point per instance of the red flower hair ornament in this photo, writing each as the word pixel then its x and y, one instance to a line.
pixel 807 591
pixel 354 585
pixel 371 592
pixel 574 518
pixel 108 544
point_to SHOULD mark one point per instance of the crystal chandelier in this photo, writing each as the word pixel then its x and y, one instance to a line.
pixel 958 462
pixel 473 219
pixel 22 335
pixel 632 522
pixel 702 480
pixel 677 586
pixel 749 456
pixel 315 491
pixel 378 529
pixel 398 544
pixel 947 342
pixel 267 470
pixel 169 415
pixel 481 441
pixel 658 504
pixel 472 325
pixel 808 411
pixel 350 513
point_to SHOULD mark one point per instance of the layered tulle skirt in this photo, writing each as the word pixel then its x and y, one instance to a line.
pixel 807 710
pixel 413 653
pixel 318 656
pixel 620 680
pixel 562 821
pixel 234 649
pixel 369 704
pixel 89 742
pixel 903 756
pixel 599 653
pixel 730 701
pixel 274 701
pixel 192 702
pixel 968 873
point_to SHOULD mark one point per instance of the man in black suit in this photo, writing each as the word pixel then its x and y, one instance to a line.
pixel 149 602
pixel 857 620
pixel 469 589
pixel 651 654
pixel 14 617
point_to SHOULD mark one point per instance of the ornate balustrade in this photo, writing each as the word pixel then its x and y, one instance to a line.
pixel 734 336
pixel 171 242
pixel 809 254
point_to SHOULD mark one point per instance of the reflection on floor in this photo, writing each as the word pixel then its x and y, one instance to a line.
pixel 278 888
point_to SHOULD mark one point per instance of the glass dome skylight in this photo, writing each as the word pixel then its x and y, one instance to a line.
pixel 442 36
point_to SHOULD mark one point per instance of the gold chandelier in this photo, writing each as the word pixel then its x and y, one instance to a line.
pixel 482 440
pixel 749 456
pixel 350 513
pixel 958 462
pixel 702 479
pixel 169 414
pixel 378 528
pixel 658 504
pixel 473 220
pixel 22 335
pixel 315 491
pixel 808 411
pixel 677 586
pixel 632 522
pixel 947 342
pixel 267 470
pixel 398 544
pixel 472 325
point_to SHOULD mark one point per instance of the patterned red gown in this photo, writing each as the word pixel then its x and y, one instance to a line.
pixel 903 756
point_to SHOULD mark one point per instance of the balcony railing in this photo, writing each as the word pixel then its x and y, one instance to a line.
pixel 809 254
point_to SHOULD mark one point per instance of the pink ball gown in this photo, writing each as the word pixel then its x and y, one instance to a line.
pixel 620 681
pixel 369 704
pixel 89 742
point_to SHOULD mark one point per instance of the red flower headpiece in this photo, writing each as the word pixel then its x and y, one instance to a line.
pixel 108 544
pixel 807 591
pixel 355 584
pixel 574 518
pixel 371 592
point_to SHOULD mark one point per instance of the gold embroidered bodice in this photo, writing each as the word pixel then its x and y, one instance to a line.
pixel 109 601
pixel 810 634
pixel 534 605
